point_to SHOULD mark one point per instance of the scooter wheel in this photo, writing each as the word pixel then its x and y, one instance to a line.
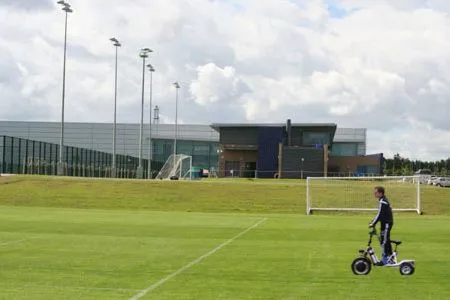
pixel 361 266
pixel 406 269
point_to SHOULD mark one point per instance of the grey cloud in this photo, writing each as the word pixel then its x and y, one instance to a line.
pixel 434 110
pixel 27 4
pixel 10 75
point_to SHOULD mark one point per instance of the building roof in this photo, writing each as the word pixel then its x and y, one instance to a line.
pixel 217 126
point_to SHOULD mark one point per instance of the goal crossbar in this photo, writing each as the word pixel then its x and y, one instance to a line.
pixel 329 193
pixel 362 209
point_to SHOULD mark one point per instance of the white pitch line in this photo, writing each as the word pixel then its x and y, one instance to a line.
pixel 192 263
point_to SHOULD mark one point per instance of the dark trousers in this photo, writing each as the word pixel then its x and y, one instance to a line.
pixel 385 238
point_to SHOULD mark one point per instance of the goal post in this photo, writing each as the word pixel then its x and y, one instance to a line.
pixel 356 193
pixel 177 165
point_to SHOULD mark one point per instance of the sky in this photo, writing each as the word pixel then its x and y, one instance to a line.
pixel 382 65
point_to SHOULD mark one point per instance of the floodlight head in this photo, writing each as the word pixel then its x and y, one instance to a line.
pixel 176 84
pixel 150 67
pixel 64 3
pixel 115 41
pixel 67 9
pixel 144 52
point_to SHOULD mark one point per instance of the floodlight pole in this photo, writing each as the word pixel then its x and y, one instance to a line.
pixel 177 87
pixel 150 147
pixel 140 170
pixel 116 44
pixel 60 167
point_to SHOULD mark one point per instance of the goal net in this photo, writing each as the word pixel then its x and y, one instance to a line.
pixel 177 165
pixel 356 193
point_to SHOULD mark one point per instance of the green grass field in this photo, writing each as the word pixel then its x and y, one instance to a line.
pixel 100 239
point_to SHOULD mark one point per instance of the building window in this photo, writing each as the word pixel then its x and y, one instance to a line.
pixel 184 147
pixel 201 149
pixel 201 161
pixel 158 147
pixel 213 161
pixel 167 149
pixel 215 149
pixel 368 169
pixel 344 149
pixel 315 138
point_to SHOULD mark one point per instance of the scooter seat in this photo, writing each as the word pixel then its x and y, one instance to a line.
pixel 396 242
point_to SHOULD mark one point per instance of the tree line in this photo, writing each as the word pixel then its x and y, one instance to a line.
pixel 399 165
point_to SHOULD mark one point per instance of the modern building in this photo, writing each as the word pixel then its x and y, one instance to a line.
pixel 289 151
pixel 204 142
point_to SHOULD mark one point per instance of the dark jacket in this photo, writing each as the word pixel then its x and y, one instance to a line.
pixel 384 214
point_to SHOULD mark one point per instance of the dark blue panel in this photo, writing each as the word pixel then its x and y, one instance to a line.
pixel 268 140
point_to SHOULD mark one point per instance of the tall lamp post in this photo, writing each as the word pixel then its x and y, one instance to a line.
pixel 116 44
pixel 140 170
pixel 177 86
pixel 60 169
pixel 156 116
pixel 150 176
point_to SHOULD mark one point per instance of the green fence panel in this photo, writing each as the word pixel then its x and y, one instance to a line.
pixel 23 156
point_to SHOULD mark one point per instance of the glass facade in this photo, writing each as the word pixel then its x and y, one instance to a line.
pixel 344 149
pixel 314 138
pixel 204 154
pixel 368 169
pixel 22 156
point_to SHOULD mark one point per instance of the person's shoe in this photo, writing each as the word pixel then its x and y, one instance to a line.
pixel 379 264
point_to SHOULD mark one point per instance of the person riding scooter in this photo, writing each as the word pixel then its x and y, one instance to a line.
pixel 386 219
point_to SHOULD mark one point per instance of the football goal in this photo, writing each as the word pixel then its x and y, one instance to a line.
pixel 177 166
pixel 356 193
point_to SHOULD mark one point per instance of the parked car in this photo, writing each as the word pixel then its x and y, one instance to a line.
pixel 442 182
pixel 424 175
pixel 432 180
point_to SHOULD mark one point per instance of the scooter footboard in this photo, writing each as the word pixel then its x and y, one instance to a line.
pixel 411 261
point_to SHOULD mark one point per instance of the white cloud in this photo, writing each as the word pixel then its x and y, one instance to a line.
pixel 383 65
pixel 418 140
pixel 215 85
